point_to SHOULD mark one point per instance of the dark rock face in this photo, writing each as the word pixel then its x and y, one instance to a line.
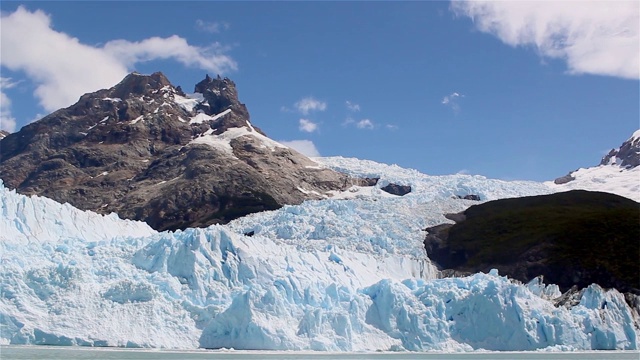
pixel 367 181
pixel 472 197
pixel 564 179
pixel 572 238
pixel 143 150
pixel 3 134
pixel 627 155
pixel 395 189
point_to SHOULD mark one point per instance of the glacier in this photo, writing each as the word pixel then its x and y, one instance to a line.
pixel 347 273
pixel 611 178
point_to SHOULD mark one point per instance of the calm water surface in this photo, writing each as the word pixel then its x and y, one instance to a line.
pixel 73 353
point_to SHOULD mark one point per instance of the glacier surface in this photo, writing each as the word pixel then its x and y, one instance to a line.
pixel 342 274
pixel 611 178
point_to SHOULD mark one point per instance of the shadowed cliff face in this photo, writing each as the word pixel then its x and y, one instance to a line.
pixel 573 238
pixel 146 151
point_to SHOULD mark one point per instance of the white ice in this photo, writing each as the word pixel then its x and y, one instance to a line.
pixel 340 275
pixel 607 178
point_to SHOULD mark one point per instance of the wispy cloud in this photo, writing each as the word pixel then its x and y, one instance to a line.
pixel 213 27
pixel 353 107
pixel 305 147
pixel 7 121
pixel 360 124
pixel 364 124
pixel 63 68
pixel 308 104
pixel 307 125
pixel 593 37
pixel 451 101
pixel 8 83
pixel 392 127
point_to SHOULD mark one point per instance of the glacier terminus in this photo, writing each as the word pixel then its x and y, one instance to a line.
pixel 342 274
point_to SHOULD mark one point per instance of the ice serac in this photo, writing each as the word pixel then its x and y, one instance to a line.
pixel 147 151
pixel 342 275
pixel 618 172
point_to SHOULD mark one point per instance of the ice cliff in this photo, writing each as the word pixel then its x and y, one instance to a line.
pixel 341 274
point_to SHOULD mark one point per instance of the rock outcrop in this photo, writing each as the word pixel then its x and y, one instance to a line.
pixel 572 238
pixel 395 189
pixel 145 150
pixel 564 179
pixel 627 155
pixel 471 197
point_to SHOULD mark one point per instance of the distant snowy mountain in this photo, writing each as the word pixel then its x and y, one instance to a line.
pixel 344 274
pixel 618 173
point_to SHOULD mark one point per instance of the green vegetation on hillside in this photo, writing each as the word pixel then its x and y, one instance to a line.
pixel 576 237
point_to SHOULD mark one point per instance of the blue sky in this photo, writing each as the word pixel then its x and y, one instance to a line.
pixel 508 90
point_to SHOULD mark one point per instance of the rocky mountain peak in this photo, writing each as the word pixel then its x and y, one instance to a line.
pixel 220 95
pixel 138 84
pixel 627 155
pixel 147 151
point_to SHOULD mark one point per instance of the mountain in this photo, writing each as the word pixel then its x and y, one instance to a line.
pixel 147 151
pixel 573 238
pixel 3 134
pixel 348 273
pixel 618 172
pixel 627 155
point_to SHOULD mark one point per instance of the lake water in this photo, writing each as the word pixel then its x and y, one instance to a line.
pixel 74 353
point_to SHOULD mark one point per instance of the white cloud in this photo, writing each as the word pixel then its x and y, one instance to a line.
pixel 392 127
pixel 36 117
pixel 212 26
pixel 308 104
pixel 353 107
pixel 364 124
pixel 593 37
pixel 348 121
pixel 8 83
pixel 307 125
pixel 305 147
pixel 7 121
pixel 450 98
pixel 63 68
pixel 451 101
pixel 174 47
pixel 361 124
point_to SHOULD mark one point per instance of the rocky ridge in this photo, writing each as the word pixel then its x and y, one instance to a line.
pixel 627 157
pixel 147 151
